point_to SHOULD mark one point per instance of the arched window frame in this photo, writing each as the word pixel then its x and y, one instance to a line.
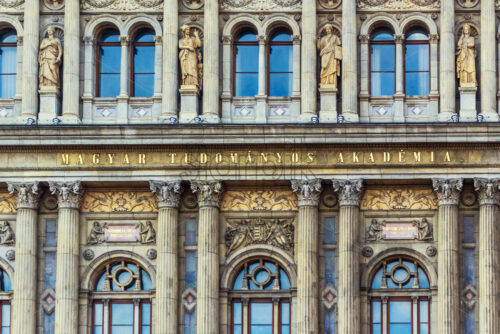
pixel 133 73
pixel 6 291
pixel 425 42
pixel 98 72
pixel 236 44
pixel 11 44
pixel 272 44
pixel 370 56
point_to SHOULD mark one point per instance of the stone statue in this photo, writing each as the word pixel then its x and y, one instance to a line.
pixel 425 230
pixel 374 231
pixel 188 55
pixel 330 52
pixel 466 58
pixel 6 234
pixel 96 235
pixel 148 233
pixel 49 58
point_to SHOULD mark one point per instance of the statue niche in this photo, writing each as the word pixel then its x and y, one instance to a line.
pixel 466 58
pixel 330 52
pixel 190 58
pixel 49 59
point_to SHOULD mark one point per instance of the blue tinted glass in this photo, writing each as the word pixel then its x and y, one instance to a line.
pixel 238 282
pixel 109 85
pixel 145 36
pixel 190 322
pixel 329 231
pixel 469 229
pixel 110 36
pixel 377 279
pixel 122 329
pixel 400 328
pixel 146 329
pixel 400 312
pixel 144 59
pixel 417 83
pixel 122 314
pixel 469 267
pixel 280 84
pixel 144 85
pixel 417 35
pixel 376 316
pixel 382 35
pixel 6 284
pixel 98 315
pixel 7 85
pixel 146 281
pixel 247 58
pixel 246 84
pixel 6 315
pixel 330 267
pixel 49 274
pixel 470 321
pixel 424 311
pixel 270 266
pixel 247 36
pixel 8 68
pixel 285 313
pixel 383 57
pixel 382 84
pixel 8 36
pixel 281 58
pixel 261 318
pixel 400 274
pixel 146 314
pixel 423 280
pixel 329 322
pixel 237 313
pixel 49 324
pixel 284 281
pixel 191 269
pixel 377 329
pixel 110 57
pixel 281 36
pixel 191 230
pixel 417 57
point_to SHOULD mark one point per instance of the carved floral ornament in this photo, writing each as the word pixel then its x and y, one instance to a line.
pixel 262 4
pixel 398 4
pixel 208 192
pixel 120 201
pixel 121 4
pixel 349 191
pixel 69 194
pixel 168 193
pixel 308 191
pixel 27 194
pixel 11 4
pixel 7 203
pixel 448 190
pixel 268 200
pixel 399 198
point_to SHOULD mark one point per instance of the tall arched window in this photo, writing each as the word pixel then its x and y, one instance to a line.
pixel 8 66
pixel 400 298
pixel 382 63
pixel 5 289
pixel 261 299
pixel 108 63
pixel 417 67
pixel 122 301
pixel 280 63
pixel 246 64
pixel 143 64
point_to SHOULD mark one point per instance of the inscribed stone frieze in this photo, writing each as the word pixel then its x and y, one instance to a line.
pixel 399 198
pixel 398 4
pixel 268 200
pixel 121 201
pixel 7 203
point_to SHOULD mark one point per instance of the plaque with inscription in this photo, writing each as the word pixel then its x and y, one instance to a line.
pixel 399 231
pixel 122 233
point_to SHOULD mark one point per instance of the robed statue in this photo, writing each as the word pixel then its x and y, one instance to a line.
pixel 466 58
pixel 49 58
pixel 189 54
pixel 330 52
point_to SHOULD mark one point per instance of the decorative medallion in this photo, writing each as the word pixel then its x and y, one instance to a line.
pixel 151 254
pixel 189 299
pixel 49 202
pixel 330 4
pixel 88 254
pixel 189 201
pixel 329 200
pixel 468 3
pixel 399 198
pixel 275 232
pixel 259 201
pixel 398 4
pixel 367 251
pixel 431 251
pixel 120 201
pixel 469 296
pixel 329 296
pixel 10 255
pixel 468 198
pixel 48 300
pixel 54 4
pixel 193 4
pixel 7 203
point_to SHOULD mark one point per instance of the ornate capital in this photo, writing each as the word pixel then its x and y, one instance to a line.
pixel 167 193
pixel 488 191
pixel 307 191
pixel 262 39
pixel 27 194
pixel 124 40
pixel 349 191
pixel 158 39
pixel 433 38
pixel 448 190
pixel 69 194
pixel 209 192
pixel 399 38
pixel 227 39
pixel 364 39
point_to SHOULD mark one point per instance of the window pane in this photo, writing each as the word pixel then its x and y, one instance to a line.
pixel 281 36
pixel 280 84
pixel 49 324
pixel 122 330
pixel 383 35
pixel 238 282
pixel 145 36
pixel 285 313
pixel 190 322
pixel 5 330
pixel 247 36
pixel 417 57
pixel 6 315
pixel 8 36
pixel 329 321
pixel 247 58
pixel 376 316
pixel 330 267
pixel 190 269
pixel 122 314
pixel 98 314
pixel 146 281
pixel 109 85
pixel 382 84
pixel 50 233
pixel 8 68
pixel 110 35
pixel 400 328
pixel 281 58
pixel 110 57
pixel 144 85
pixel 261 314
pixel 383 57
pixel 469 229
pixel 423 281
pixel 377 279
pixel 329 231
pixel 145 330
pixel 7 85
pixel 246 84
pixel 50 269
pixel 377 329
pixel 146 314
pixel 417 83
pixel 191 229
pixel 144 59
pixel 469 267
pixel 424 311
pixel 417 35
pixel 284 281
pixel 400 311
pixel 237 313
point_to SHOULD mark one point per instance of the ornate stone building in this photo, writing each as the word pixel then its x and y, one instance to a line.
pixel 249 166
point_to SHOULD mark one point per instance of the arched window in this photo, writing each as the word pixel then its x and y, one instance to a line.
pixel 122 300
pixel 246 64
pixel 5 289
pixel 417 68
pixel 8 65
pixel 382 63
pixel 280 64
pixel 108 64
pixel 261 299
pixel 143 64
pixel 400 298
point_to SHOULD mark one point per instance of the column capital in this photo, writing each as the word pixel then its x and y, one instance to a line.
pixel 209 192
pixel 448 190
pixel 168 193
pixel 124 40
pixel 488 191
pixel 399 38
pixel 307 191
pixel 27 194
pixel 158 39
pixel 69 194
pixel 349 191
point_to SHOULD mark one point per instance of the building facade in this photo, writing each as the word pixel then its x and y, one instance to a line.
pixel 249 166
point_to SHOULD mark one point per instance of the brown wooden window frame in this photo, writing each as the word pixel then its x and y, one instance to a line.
pixel 261 300
pixel 237 43
pixel 270 44
pixel 132 57
pixel 119 301
pixel 423 42
pixel 397 298
pixel 98 57
pixel 370 71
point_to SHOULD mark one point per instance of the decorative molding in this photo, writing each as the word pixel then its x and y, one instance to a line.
pixel 151 254
pixel 399 198
pixel 398 4
pixel 27 194
pixel 11 4
pixel 267 200
pixel 330 4
pixel 424 230
pixel 69 194
pixel 469 296
pixel 54 4
pixel 367 251
pixel 7 236
pixel 120 201
pixel 11 255
pixel 189 298
pixel 349 191
pixel 431 251
pixel 468 3
pixel 329 297
pixel 121 4
pixel 48 300
pixel 209 193
pixel 88 254
pixel 167 193
pixel 488 191
pixel 275 232
pixel 308 191
pixel 193 4
pixel 7 203
pixel 448 190
pixel 261 4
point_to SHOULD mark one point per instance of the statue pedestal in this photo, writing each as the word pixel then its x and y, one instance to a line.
pixel 50 105
pixel 328 104
pixel 189 103
pixel 468 111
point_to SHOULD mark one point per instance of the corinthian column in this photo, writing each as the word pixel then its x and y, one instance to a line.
pixel 349 193
pixel 170 64
pixel 308 192
pixel 168 195
pixel 30 59
pixel 447 61
pixel 207 282
pixel 448 193
pixel 489 196
pixel 25 297
pixel 211 62
pixel 67 273
pixel 488 62
pixel 309 54
pixel 349 62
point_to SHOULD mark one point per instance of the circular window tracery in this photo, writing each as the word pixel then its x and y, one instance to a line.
pixel 124 276
pixel 261 274
pixel 400 273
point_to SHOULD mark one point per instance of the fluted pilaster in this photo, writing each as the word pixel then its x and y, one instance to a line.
pixel 207 283
pixel 170 63
pixel 168 196
pixel 448 317
pixel 489 57
pixel 211 62
pixel 24 280
pixel 489 196
pixel 309 78
pixel 308 192
pixel 30 58
pixel 349 193
pixel 447 61
pixel 67 273
pixel 349 62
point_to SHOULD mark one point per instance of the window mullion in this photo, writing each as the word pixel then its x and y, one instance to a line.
pixel 385 317
pixel 414 318
pixel 276 315
pixel 137 306
pixel 106 316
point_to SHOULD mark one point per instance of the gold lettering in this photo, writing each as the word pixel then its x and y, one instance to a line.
pixel 142 158
pixel 187 158
pixel 340 158
pixel 387 156
pixel 402 156
pixel 96 158
pixel 310 156
pixel 432 156
pixel 447 157
pixel 279 157
pixel 172 157
pixel 65 158
pixel 234 158
pixel 111 157
pixel 295 158
pixel 80 159
pixel 249 157
pixel 417 156
pixel 355 156
pixel 263 157
pixel 126 160
pixel 218 158
pixel 371 158
pixel 203 158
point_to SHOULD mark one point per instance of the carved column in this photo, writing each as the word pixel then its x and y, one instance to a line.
pixel 170 59
pixel 308 192
pixel 211 62
pixel 261 110
pixel 399 113
pixel 309 54
pixel 30 60
pixel 447 61
pixel 349 193
pixel 25 277
pixel 207 312
pixel 448 193
pixel 168 195
pixel 67 272
pixel 349 62
pixel 71 70
pixel 488 78
pixel 489 196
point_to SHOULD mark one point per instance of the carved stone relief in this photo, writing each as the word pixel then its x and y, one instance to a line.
pixel 54 4
pixel 399 198
pixel 121 4
pixel 259 201
pixel 468 3
pixel 398 4
pixel 7 236
pixel 7 203
pixel 193 4
pixel 330 4
pixel 11 4
pixel 100 233
pixel 260 4
pixel 120 201
pixel 421 230
pixel 276 232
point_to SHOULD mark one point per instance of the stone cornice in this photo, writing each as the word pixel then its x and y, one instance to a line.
pixel 168 193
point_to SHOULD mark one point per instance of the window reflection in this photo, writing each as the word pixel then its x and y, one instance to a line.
pixel 246 64
pixel 108 64
pixel 280 64
pixel 383 63
pixel 417 72
pixel 143 64
pixel 8 63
